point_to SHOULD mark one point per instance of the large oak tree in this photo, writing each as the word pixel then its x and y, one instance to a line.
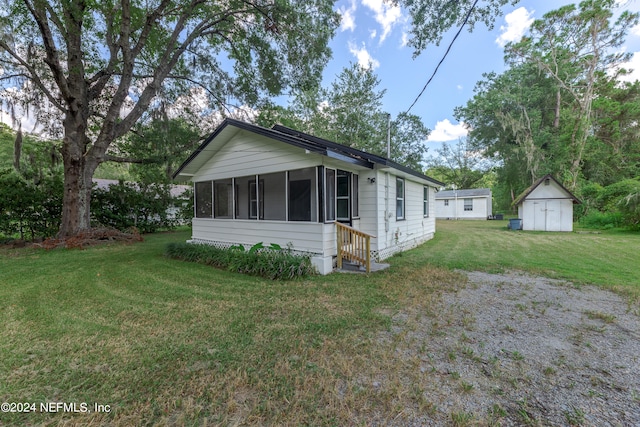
pixel 99 65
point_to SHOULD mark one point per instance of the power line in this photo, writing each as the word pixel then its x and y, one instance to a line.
pixel 466 18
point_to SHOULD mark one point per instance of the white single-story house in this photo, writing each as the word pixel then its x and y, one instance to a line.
pixel 546 206
pixel 464 204
pixel 278 185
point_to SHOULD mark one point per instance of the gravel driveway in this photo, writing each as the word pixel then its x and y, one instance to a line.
pixel 512 349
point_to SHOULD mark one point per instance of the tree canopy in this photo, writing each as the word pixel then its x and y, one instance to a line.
pixel 99 66
pixel 350 112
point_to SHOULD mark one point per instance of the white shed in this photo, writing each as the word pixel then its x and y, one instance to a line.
pixel 464 204
pixel 278 185
pixel 546 206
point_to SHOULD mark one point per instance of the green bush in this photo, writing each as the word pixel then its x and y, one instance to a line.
pixel 270 262
pixel 126 205
pixel 630 210
pixel 29 209
pixel 599 220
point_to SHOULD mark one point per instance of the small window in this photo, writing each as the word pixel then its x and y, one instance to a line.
pixel 446 202
pixel 468 204
pixel 425 201
pixel 399 198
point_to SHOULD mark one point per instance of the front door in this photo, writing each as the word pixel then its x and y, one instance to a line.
pixel 343 197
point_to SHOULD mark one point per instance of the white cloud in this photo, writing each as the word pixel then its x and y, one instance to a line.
pixel 447 131
pixel 634 66
pixel 405 40
pixel 635 30
pixel 518 22
pixel 386 14
pixel 459 87
pixel 365 60
pixel 348 19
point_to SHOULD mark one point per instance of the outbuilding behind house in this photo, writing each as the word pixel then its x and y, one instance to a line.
pixel 546 206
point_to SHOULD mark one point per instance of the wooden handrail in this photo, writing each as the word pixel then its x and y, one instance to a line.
pixel 354 245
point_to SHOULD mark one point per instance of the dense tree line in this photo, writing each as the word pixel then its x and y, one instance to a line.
pixel 562 108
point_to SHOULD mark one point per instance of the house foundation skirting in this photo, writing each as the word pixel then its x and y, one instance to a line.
pixel 405 245
pixel 326 264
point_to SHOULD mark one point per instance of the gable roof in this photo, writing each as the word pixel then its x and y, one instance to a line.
pixel 533 186
pixel 230 127
pixel 472 192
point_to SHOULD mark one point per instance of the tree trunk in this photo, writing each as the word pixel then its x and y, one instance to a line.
pixel 79 167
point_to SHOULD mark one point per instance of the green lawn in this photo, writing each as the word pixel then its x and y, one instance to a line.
pixel 164 342
pixel 608 258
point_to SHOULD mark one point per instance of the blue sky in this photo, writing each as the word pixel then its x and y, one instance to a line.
pixel 373 31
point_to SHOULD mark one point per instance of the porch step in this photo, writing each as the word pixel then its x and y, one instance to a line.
pixel 351 267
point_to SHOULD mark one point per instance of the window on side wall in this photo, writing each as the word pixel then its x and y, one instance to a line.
pixel 399 198
pixel 425 201
pixel 468 204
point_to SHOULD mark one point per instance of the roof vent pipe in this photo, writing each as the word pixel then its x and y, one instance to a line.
pixel 388 136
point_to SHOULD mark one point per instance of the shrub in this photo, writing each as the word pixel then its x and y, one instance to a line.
pixel 27 208
pixel 599 220
pixel 126 205
pixel 270 262
pixel 630 210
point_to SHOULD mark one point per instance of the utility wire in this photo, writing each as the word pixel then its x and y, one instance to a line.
pixel 466 18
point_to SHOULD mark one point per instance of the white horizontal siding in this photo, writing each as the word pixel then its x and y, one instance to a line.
pixel 249 154
pixel 405 233
pixel 309 237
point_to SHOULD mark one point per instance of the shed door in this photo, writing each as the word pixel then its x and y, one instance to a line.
pixel 539 215
pixel 547 215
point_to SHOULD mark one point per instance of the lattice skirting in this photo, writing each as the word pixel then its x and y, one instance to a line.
pixel 376 255
pixel 226 245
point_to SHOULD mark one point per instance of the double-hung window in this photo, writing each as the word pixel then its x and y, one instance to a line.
pixel 425 201
pixel 399 198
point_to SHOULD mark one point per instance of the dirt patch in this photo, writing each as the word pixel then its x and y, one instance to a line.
pixel 512 349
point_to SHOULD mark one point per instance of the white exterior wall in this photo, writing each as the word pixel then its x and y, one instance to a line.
pixel 250 154
pixel 455 210
pixel 311 237
pixel 396 235
pixel 546 208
